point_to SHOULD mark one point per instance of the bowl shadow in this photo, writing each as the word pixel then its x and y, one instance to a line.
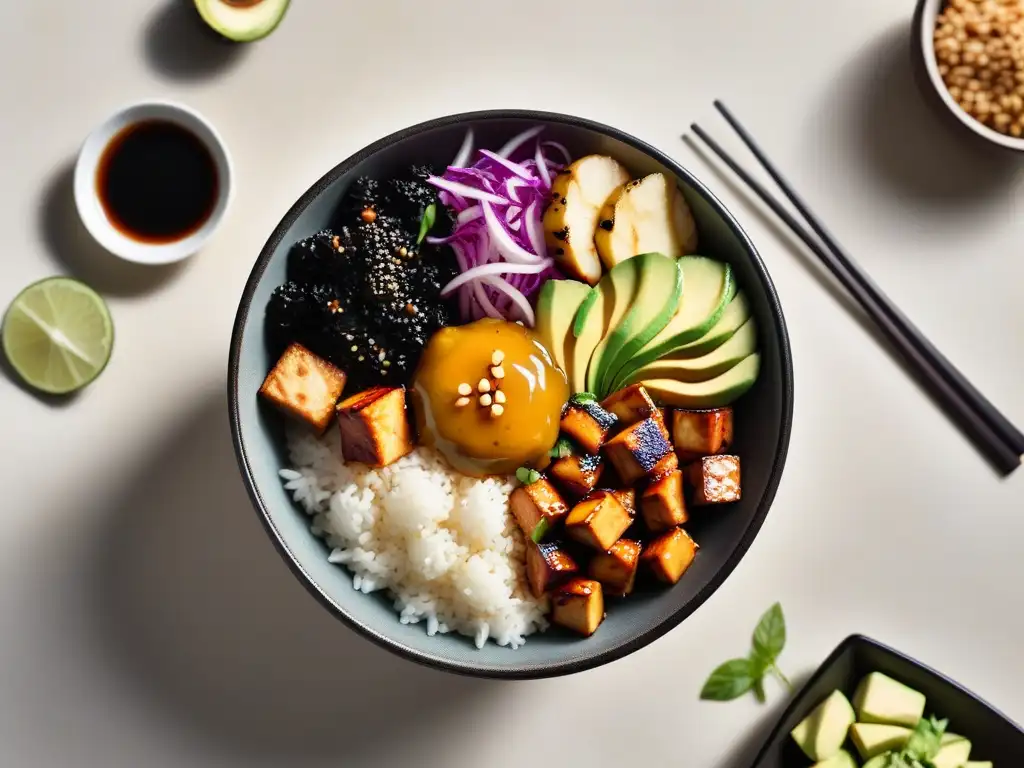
pixel 194 609
pixel 743 753
pixel 178 45
pixel 876 104
pixel 75 251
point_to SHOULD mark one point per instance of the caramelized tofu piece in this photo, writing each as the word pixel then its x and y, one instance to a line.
pixel 598 521
pixel 547 566
pixel 641 450
pixel 701 433
pixel 715 479
pixel 616 568
pixel 669 555
pixel 304 386
pixel 587 423
pixel 374 426
pixel 630 405
pixel 537 507
pixel 577 475
pixel 578 605
pixel 662 502
pixel 627 498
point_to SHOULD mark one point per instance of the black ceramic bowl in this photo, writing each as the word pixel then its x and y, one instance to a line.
pixel 993 736
pixel 763 415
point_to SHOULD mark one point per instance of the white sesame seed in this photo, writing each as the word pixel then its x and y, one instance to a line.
pixel 485 400
pixel 483 386
pixel 497 410
pixel 499 396
pixel 465 389
pixel 498 372
pixel 497 357
pixel 462 402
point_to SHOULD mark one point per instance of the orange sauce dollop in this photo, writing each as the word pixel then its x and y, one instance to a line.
pixel 476 438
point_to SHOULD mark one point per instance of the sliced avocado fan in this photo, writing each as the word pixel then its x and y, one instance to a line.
pixel 242 20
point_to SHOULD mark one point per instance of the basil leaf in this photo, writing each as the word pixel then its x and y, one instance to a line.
pixel 427 221
pixel 562 448
pixel 926 740
pixel 770 634
pixel 729 681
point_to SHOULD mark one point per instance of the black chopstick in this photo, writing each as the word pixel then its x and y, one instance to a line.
pixel 988 429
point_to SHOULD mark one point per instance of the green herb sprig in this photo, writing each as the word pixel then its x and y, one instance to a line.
pixel 562 448
pixel 427 221
pixel 738 676
pixel 527 476
pixel 922 746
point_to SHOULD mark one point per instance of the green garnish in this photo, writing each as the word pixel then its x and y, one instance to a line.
pixel 923 745
pixel 527 476
pixel 583 398
pixel 427 221
pixel 562 448
pixel 540 530
pixel 738 676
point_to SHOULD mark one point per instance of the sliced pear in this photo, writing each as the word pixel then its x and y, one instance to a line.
pixel 242 20
pixel 577 195
pixel 736 313
pixel 557 304
pixel 741 346
pixel 644 216
pixel 713 393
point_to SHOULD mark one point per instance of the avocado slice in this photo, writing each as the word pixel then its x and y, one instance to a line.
pixel 708 286
pixel 873 739
pixel 953 753
pixel 657 297
pixel 242 20
pixel 557 304
pixel 978 764
pixel 619 287
pixel 841 759
pixel 736 313
pixel 879 761
pixel 715 363
pixel 587 329
pixel 880 699
pixel 821 734
pixel 713 393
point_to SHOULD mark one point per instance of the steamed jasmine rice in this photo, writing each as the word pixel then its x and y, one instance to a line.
pixel 444 546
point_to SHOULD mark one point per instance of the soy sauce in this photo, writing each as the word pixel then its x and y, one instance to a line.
pixel 157 182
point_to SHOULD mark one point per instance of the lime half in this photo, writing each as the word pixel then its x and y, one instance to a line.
pixel 58 335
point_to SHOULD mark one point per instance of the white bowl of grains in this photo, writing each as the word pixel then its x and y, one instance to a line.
pixel 973 55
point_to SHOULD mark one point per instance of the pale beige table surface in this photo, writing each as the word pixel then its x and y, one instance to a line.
pixel 146 620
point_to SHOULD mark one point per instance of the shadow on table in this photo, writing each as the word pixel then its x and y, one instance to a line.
pixel 198 613
pixel 877 108
pixel 743 753
pixel 75 251
pixel 178 45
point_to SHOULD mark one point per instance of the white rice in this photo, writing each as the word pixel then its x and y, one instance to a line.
pixel 444 546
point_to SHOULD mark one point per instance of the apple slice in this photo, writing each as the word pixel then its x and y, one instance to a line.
pixel 645 216
pixel 577 195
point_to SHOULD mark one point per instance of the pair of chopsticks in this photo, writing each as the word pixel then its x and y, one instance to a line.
pixel 990 431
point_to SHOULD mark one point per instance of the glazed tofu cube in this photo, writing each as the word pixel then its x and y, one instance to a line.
pixel 701 433
pixel 616 568
pixel 715 479
pixel 547 566
pixel 669 555
pixel 537 507
pixel 588 424
pixel 598 521
pixel 627 498
pixel 630 405
pixel 641 450
pixel 304 386
pixel 374 426
pixel 577 475
pixel 662 502
pixel 578 605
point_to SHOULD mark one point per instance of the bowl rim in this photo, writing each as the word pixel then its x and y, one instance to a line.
pixel 513 670
pixel 851 643
pixel 923 31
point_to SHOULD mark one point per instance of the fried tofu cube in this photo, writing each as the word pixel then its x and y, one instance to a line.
pixel 578 605
pixel 547 566
pixel 616 568
pixel 598 521
pixel 577 475
pixel 627 498
pixel 669 555
pixel 537 507
pixel 702 433
pixel 715 479
pixel 641 450
pixel 304 386
pixel 662 502
pixel 374 426
pixel 588 424
pixel 630 405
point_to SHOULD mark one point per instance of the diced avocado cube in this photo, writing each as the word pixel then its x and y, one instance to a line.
pixel 821 734
pixel 953 753
pixel 879 761
pixel 872 739
pixel 978 764
pixel 841 759
pixel 880 699
pixel 598 521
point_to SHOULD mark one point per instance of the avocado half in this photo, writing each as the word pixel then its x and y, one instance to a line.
pixel 243 20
